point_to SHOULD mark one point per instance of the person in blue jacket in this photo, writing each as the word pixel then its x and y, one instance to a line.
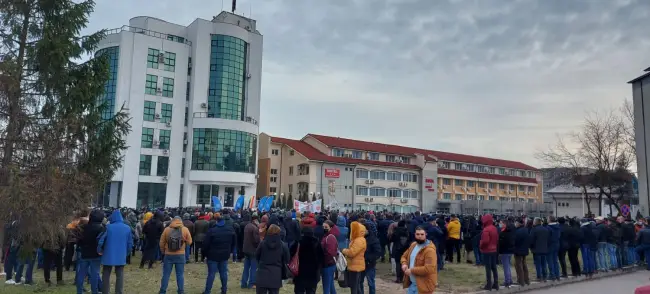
pixel 114 246
pixel 555 232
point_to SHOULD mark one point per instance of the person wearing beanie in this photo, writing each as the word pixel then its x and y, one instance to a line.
pixel 172 245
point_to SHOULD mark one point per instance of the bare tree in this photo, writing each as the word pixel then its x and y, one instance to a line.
pixel 627 111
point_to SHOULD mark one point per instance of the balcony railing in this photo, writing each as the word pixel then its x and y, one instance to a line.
pixel 248 119
pixel 148 33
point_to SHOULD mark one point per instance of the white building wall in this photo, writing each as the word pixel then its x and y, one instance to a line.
pixel 132 71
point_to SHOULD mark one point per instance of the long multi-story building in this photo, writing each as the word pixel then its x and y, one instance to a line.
pixel 376 176
pixel 193 97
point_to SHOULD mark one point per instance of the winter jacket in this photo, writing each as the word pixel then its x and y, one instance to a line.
pixel 373 250
pixel 219 242
pixel 522 241
pixel 571 237
pixel 489 236
pixel 90 234
pixel 200 229
pixel 190 226
pixel 175 224
pixel 539 239
pixel 382 230
pixel 153 229
pixel 424 269
pixel 453 229
pixel 342 238
pixel 627 232
pixel 400 240
pixel 643 236
pixel 554 237
pixel 116 243
pixel 272 255
pixel 292 230
pixel 355 254
pixel 507 240
pixel 308 221
pixel 251 238
pixel 434 233
pixel 589 236
pixel 615 235
pixel 330 249
pixel 604 232
pixel 310 260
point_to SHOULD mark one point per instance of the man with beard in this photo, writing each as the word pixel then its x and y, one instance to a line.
pixel 419 264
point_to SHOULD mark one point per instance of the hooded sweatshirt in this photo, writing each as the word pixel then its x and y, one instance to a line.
pixel 342 238
pixel 117 241
pixel 489 236
pixel 176 223
pixel 453 229
pixel 90 233
pixel 355 254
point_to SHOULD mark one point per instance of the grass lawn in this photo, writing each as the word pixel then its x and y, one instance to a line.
pixel 455 278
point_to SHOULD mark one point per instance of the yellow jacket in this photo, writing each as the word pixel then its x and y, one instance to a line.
pixel 424 269
pixel 355 253
pixel 453 229
pixel 187 238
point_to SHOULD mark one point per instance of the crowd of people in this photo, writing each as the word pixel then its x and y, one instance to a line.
pixel 331 248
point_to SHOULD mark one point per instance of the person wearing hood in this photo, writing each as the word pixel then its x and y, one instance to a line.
pixel 488 247
pixel 539 241
pixel 342 227
pixel 400 243
pixel 201 227
pixel 506 249
pixel 453 239
pixel 292 229
pixel 355 255
pixel 372 254
pixel 308 220
pixel 190 227
pixel 172 244
pixel 419 265
pixel 311 260
pixel 552 257
pixel 90 261
pixel 272 256
pixel 115 246
pixel 152 231
pixel 588 247
pixel 219 242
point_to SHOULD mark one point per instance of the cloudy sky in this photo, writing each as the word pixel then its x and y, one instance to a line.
pixel 491 78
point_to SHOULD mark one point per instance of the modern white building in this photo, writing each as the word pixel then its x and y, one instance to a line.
pixel 193 95
pixel 640 87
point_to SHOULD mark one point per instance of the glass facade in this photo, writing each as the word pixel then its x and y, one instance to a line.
pixel 166 112
pixel 227 77
pixel 145 165
pixel 111 85
pixel 162 167
pixel 164 138
pixel 168 88
pixel 152 58
pixel 151 85
pixel 170 61
pixel 224 150
pixel 203 193
pixel 151 195
pixel 149 113
pixel 147 138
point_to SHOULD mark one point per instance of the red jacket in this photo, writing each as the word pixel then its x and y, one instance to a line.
pixel 330 249
pixel 489 236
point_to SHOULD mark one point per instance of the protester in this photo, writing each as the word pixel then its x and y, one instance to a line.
pixel 355 256
pixel 453 240
pixel 311 261
pixel 114 247
pixel 506 249
pixel 217 246
pixel 172 244
pixel 272 255
pixel 521 249
pixel 89 262
pixel 488 247
pixel 419 265
pixel 251 243
pixel 330 253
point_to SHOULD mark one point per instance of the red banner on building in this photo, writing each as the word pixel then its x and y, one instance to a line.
pixel 332 173
pixel 428 184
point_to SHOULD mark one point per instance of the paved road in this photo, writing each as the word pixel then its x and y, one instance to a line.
pixel 624 284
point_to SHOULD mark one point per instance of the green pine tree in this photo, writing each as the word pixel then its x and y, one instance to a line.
pixel 59 146
pixel 290 202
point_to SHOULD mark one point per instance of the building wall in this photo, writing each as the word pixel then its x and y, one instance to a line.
pixel 343 185
pixel 264 177
pixel 641 127
pixel 572 204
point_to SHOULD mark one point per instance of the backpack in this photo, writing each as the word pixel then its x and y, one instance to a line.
pixel 403 241
pixel 175 239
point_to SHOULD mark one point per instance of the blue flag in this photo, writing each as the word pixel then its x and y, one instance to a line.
pixel 260 205
pixel 216 203
pixel 269 202
pixel 240 202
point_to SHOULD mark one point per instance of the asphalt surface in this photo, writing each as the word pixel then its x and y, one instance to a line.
pixel 624 284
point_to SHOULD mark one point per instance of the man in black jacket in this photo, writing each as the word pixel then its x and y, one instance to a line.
pixel 627 236
pixel 589 246
pixel 219 242
pixel 521 248
pixel 90 260
pixel 372 254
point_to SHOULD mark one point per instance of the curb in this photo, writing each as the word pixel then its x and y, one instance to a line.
pixel 539 286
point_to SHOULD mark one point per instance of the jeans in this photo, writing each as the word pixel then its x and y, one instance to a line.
pixel 505 261
pixel 250 268
pixel 188 250
pixel 612 250
pixel 641 249
pixel 178 262
pixel 603 260
pixel 477 254
pixel 630 253
pixel 90 268
pixel 328 279
pixel 369 275
pixel 119 279
pixel 21 261
pixel 540 266
pixel 222 268
pixel 588 259
pixel 10 263
pixel 490 263
pixel 234 254
pixel 553 265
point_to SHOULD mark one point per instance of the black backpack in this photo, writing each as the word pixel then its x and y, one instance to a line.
pixel 175 239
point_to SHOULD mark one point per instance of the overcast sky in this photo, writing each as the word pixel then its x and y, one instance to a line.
pixel 489 78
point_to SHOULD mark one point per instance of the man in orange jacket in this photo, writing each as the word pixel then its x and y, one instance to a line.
pixel 419 264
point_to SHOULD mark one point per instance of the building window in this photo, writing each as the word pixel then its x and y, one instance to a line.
pixel 492 185
pixel 168 87
pixel 183 168
pixel 290 188
pixel 491 170
pixel 481 197
pixel 409 177
pixel 373 156
pixel 164 139
pixel 151 85
pixel 303 169
pixel 275 152
pixel 492 198
pixel 378 175
pixel 512 187
pixel 186 113
pixel 502 186
pixel 153 56
pixel 149 111
pixel 356 154
pixel 503 198
pixel 146 140
pixel 184 142
pixel 502 171
pixel 414 194
pixel 227 77
pixel 291 170
pixel 533 201
pixel 203 193
pixel 390 158
pixel 176 38
pixel 445 164
pixel 470 167
pixel 274 179
pixel 362 191
pixel 362 174
pixel 480 169
pixel 166 112
pixel 274 171
pixel 470 184
pixel 292 152
pixel 458 182
pixel 163 166
pixel 522 188
pixel 151 195
pixel 446 196
pixel 377 192
pixel 531 189
pixel 113 55
pixel 224 150
pixel 338 152
pixel 145 165
pixel 471 197
pixel 481 184
pixel 459 196
pixel 394 176
pixel 405 159
pixel 458 166
pixel 273 190
pixel 170 61
pixel 396 193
